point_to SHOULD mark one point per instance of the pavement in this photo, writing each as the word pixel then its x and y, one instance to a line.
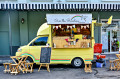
pixel 64 72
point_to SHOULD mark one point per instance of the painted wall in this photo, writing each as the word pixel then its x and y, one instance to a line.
pixel 22 34
pixel 23 27
pixel 4 32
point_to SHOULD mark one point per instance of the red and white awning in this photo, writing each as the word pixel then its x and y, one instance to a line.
pixel 60 6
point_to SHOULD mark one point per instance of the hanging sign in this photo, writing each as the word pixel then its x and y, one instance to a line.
pixel 69 18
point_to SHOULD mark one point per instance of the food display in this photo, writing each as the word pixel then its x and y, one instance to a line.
pixel 71 36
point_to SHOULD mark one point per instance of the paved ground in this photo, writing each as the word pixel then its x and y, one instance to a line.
pixel 64 72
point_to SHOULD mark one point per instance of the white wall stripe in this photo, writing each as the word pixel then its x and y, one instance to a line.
pixel 76 6
pixel 21 6
pixel 60 6
pixel 0 6
pixel 24 6
pixel 14 6
pixel 114 6
pixel 8 6
pixel 34 6
pixel 4 6
pixel 97 6
pixel 31 6
pixel 55 6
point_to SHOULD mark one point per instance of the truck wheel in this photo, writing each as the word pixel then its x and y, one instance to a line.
pixel 77 62
pixel 29 60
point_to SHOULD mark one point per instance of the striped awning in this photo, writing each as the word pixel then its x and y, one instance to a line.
pixel 60 6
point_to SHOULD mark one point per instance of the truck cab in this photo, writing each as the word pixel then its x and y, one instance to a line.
pixel 33 49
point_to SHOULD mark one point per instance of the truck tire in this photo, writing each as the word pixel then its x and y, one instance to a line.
pixel 29 60
pixel 77 62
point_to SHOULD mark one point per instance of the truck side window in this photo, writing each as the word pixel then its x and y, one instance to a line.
pixel 40 41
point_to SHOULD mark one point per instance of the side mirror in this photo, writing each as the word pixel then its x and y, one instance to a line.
pixel 47 44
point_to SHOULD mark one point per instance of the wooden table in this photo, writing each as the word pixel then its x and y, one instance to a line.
pixel 118 55
pixel 21 61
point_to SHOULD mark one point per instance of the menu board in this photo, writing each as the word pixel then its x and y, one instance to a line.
pixel 45 55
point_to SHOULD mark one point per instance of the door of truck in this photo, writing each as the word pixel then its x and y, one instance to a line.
pixel 35 47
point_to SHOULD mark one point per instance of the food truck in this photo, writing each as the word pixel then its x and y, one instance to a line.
pixel 70 36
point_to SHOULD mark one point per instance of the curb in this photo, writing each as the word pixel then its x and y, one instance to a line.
pixel 5 61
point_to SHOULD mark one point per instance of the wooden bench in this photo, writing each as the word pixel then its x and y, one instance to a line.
pixel 7 67
pixel 88 66
pixel 14 69
pixel 29 67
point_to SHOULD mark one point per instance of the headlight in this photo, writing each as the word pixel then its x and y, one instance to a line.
pixel 19 50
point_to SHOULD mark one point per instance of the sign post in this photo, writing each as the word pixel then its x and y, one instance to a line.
pixel 45 57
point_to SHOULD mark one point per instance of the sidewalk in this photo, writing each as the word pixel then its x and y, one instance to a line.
pixel 7 59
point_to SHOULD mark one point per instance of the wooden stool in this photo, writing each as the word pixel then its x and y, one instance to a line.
pixel 7 67
pixel 29 67
pixel 112 63
pixel 44 65
pixel 22 65
pixel 117 61
pixel 14 69
pixel 88 65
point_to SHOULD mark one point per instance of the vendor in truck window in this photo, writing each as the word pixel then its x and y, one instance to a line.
pixel 40 41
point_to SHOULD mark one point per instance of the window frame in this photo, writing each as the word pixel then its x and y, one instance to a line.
pixel 31 44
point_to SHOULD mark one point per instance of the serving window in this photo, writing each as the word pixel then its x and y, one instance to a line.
pixel 71 36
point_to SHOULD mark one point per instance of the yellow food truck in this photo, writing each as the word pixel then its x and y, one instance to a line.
pixel 70 36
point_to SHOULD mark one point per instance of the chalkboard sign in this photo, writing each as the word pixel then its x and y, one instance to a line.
pixel 45 55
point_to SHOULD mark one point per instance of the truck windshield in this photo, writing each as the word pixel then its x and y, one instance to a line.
pixel 40 41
